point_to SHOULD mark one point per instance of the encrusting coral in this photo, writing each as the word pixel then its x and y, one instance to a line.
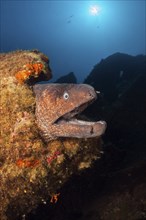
pixel 31 171
pixel 29 70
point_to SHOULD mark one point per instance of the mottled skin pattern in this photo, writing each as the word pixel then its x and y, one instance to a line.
pixel 56 107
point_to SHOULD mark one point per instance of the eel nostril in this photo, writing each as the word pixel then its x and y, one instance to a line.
pixel 92 94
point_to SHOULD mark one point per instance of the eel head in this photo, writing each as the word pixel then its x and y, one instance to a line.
pixel 57 108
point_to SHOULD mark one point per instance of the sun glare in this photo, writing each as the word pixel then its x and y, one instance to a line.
pixel 95 10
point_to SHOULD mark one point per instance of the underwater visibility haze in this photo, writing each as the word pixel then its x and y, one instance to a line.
pixel 75 35
pixel 77 150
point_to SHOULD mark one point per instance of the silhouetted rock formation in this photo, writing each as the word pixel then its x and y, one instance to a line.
pixel 127 121
pixel 115 187
pixel 113 75
pixel 69 78
pixel 122 80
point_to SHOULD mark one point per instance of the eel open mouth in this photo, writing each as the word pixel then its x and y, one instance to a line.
pixel 59 108
pixel 75 118
pixel 72 116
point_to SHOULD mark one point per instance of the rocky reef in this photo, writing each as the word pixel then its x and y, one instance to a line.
pixel 114 75
pixel 69 78
pixel 32 171
pixel 115 187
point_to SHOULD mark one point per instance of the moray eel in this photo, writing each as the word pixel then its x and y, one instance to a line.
pixel 57 106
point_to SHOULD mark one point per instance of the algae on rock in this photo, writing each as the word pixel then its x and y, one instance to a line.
pixel 31 171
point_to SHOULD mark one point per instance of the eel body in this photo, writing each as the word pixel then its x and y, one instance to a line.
pixel 57 106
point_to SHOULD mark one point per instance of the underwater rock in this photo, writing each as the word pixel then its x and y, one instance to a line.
pixel 25 65
pixel 32 170
pixel 69 78
pixel 115 74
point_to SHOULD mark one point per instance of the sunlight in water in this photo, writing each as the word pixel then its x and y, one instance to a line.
pixel 95 10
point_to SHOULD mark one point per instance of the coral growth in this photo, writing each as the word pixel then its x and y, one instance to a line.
pixel 31 171
pixel 29 69
pixel 31 66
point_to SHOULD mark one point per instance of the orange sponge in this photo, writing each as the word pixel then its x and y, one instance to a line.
pixel 30 69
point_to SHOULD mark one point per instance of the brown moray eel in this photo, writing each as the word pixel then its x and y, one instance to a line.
pixel 56 108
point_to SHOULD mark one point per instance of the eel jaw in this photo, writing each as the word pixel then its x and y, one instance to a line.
pixel 86 129
pixel 72 115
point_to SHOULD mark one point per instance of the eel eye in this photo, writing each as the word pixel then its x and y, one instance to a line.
pixel 65 95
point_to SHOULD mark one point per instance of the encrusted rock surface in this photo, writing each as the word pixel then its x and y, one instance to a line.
pixel 32 171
